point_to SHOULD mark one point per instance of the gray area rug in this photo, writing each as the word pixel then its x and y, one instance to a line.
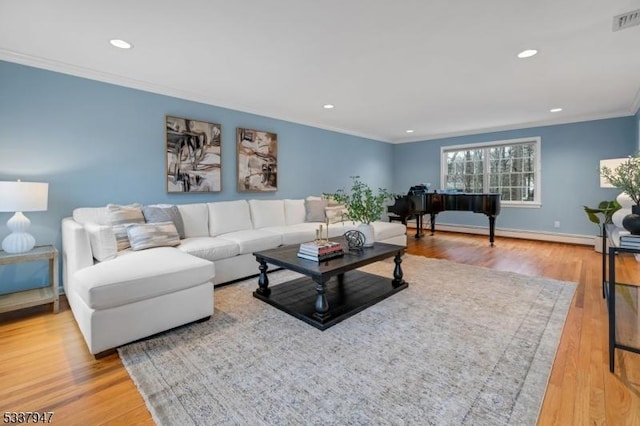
pixel 461 346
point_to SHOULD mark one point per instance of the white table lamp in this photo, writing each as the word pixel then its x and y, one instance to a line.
pixel 21 197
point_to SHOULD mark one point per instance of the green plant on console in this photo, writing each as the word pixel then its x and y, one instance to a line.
pixel 626 177
pixel 361 203
pixel 606 208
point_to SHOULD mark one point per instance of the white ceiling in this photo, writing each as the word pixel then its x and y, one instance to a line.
pixel 439 67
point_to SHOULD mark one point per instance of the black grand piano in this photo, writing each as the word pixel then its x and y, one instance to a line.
pixel 419 202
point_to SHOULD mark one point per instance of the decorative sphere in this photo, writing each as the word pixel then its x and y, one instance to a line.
pixel 355 239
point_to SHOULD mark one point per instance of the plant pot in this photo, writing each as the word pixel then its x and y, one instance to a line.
pixel 369 236
pixel 631 222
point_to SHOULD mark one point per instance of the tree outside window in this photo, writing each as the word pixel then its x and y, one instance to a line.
pixel 510 168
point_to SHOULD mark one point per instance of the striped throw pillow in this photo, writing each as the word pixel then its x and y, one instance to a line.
pixel 163 213
pixel 121 216
pixel 148 235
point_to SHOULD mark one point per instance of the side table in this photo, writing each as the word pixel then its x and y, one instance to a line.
pixel 622 299
pixel 36 296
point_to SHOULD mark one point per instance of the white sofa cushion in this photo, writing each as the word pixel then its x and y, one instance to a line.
pixel 209 248
pixel 102 240
pixel 295 234
pixel 267 213
pixel 304 232
pixel 253 240
pixel 148 235
pixel 386 230
pixel 84 215
pixel 338 229
pixel 195 218
pixel 294 212
pixel 140 275
pixel 229 216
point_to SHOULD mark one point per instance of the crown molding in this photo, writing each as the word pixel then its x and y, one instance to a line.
pixel 118 80
pixel 517 126
pixel 91 74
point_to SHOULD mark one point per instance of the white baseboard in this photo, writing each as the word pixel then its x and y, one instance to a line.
pixel 586 240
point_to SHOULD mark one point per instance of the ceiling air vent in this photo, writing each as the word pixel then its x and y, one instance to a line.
pixel 626 20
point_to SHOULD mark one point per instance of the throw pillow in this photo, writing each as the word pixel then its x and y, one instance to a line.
pixel 102 240
pixel 331 202
pixel 158 213
pixel 337 213
pixel 148 235
pixel 120 217
pixel 315 210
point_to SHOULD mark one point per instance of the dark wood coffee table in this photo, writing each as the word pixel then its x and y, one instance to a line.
pixel 330 291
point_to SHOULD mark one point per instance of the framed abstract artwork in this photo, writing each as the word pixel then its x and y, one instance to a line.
pixel 193 155
pixel 257 160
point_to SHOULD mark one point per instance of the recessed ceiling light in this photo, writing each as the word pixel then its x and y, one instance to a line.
pixel 327 106
pixel 120 44
pixel 409 131
pixel 555 110
pixel 527 53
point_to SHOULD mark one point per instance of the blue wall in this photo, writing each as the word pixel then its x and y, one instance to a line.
pixel 97 143
pixel 570 160
pixel 637 119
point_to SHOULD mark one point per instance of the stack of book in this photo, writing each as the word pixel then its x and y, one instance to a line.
pixel 320 251
pixel 630 241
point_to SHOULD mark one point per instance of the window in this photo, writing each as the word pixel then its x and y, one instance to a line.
pixel 510 168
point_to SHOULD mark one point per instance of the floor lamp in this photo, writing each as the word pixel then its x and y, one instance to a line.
pixel 21 197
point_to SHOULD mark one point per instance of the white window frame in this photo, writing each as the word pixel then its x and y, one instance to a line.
pixel 536 203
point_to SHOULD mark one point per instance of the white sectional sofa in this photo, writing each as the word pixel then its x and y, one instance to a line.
pixel 135 294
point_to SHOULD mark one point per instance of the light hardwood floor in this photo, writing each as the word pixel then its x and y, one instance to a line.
pixel 44 364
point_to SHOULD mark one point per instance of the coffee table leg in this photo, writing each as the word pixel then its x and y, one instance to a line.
pixel 397 271
pixel 322 305
pixel 263 280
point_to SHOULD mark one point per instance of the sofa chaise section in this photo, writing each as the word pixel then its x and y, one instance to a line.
pixel 135 295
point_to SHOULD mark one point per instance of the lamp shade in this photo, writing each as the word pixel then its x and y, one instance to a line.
pixel 23 196
pixel 611 163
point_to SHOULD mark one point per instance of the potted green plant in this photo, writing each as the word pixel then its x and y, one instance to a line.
pixel 606 209
pixel 626 177
pixel 362 205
